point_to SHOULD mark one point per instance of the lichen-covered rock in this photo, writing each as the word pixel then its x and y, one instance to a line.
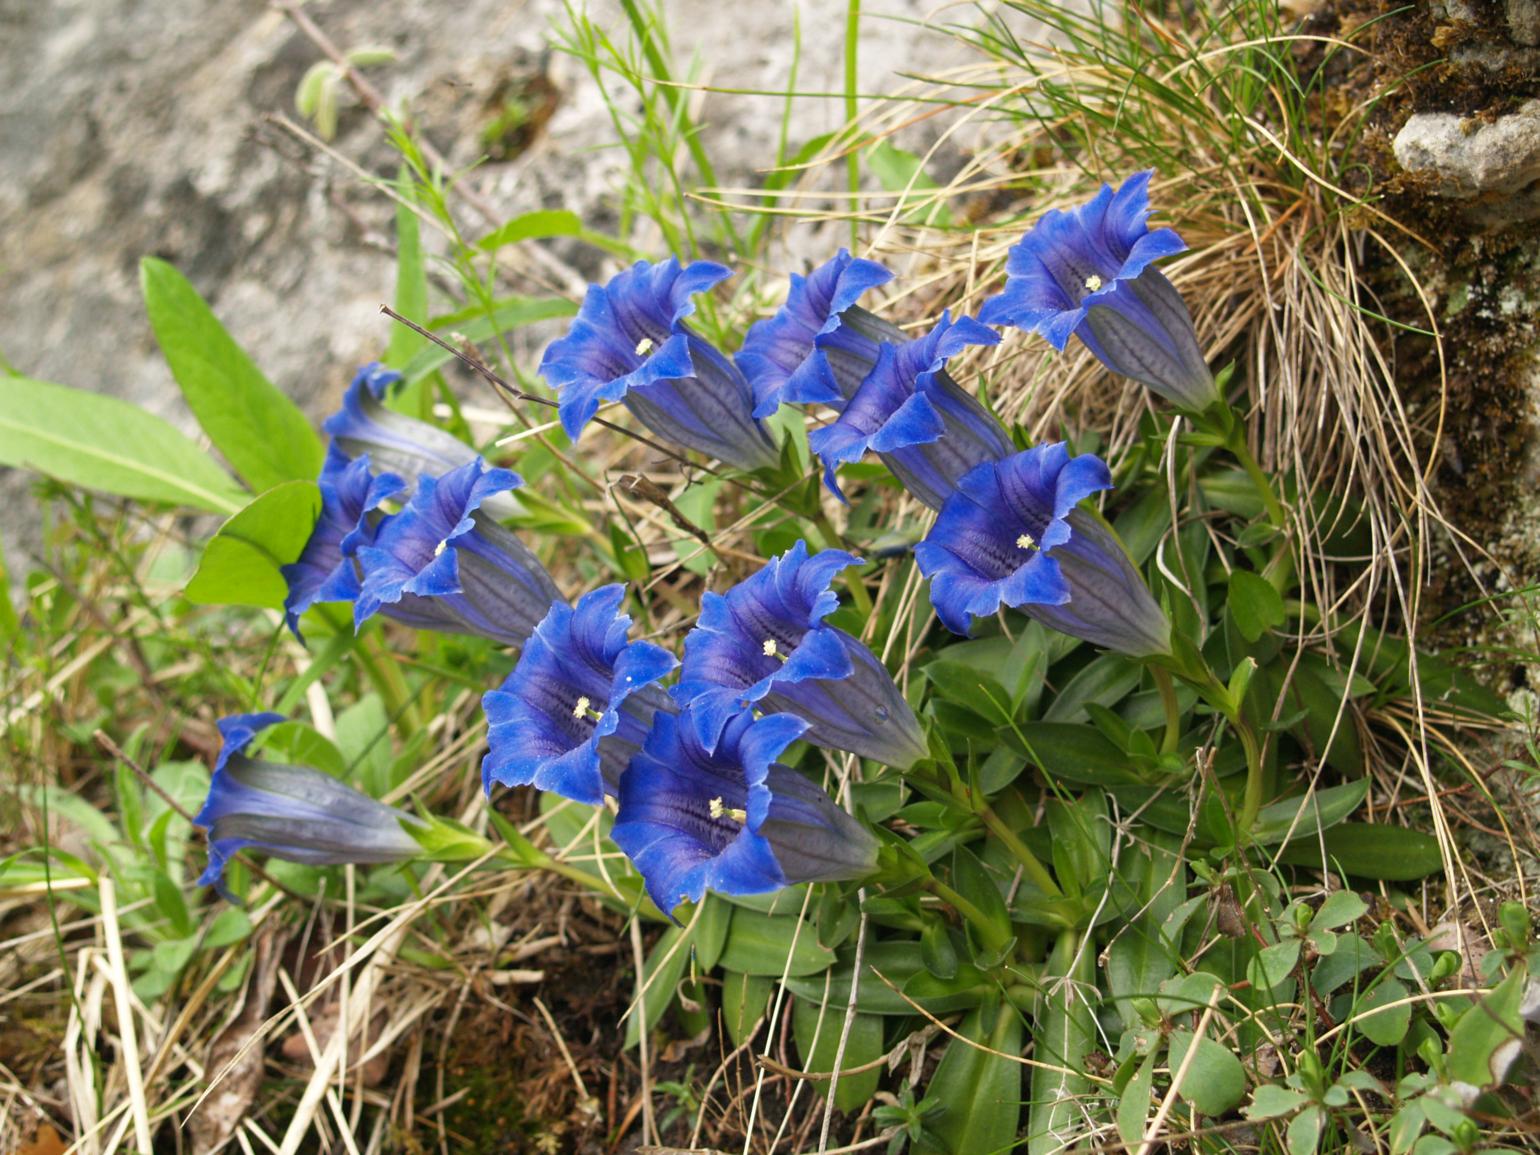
pixel 1465 159
pixel 1524 21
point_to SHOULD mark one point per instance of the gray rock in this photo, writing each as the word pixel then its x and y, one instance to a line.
pixel 129 128
pixel 1524 21
pixel 1466 159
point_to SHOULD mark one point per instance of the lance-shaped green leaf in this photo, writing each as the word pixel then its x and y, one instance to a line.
pixel 979 1081
pixel 1065 1032
pixel 100 442
pixel 260 431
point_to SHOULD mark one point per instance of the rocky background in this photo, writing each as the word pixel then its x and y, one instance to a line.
pixel 130 128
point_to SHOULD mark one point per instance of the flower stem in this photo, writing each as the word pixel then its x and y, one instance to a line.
pixel 853 583
pixel 1167 687
pixel 1236 444
pixel 400 704
pixel 989 933
pixel 1030 863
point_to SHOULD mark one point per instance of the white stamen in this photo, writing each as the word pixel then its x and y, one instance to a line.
pixel 1025 541
pixel 580 708
pixel 769 647
pixel 440 547
pixel 1093 282
pixel 644 346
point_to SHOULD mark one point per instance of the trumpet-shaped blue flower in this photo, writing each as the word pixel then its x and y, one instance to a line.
pixel 926 429
pixel 571 714
pixel 442 564
pixel 395 442
pixel 292 812
pixel 630 343
pixel 820 346
pixel 765 643
pixel 1011 535
pixel 1088 272
pixel 731 819
pixel 325 570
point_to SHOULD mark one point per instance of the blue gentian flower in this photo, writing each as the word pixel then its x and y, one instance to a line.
pixel 630 343
pixel 325 570
pixel 765 643
pixel 927 430
pixel 821 345
pixel 1011 536
pixel 292 812
pixel 442 564
pixel 731 819
pixel 395 442
pixel 1088 271
pixel 572 713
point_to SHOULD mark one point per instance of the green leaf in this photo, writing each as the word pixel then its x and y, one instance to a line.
pixel 1304 1131
pixel 1254 604
pixel 977 885
pixel 240 564
pixel 411 279
pixel 10 621
pixel 532 226
pixel 901 171
pixel 972 688
pixel 744 999
pixel 1139 957
pixel 1216 1081
pixel 1370 850
pixel 661 973
pixel 1105 681
pixel 1271 1100
pixel 1305 816
pixel 100 442
pixel 711 927
pixel 1074 753
pixel 1384 1028
pixel 1065 1032
pixel 899 963
pixel 1340 908
pixel 260 431
pixel 1486 1037
pixel 1134 1104
pixel 773 945
pixel 817 1029
pixel 981 1091
pixel 1082 840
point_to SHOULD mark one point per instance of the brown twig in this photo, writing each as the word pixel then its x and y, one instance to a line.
pixel 118 752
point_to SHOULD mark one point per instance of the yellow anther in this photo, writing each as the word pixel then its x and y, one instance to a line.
pixel 720 811
pixel 644 346
pixel 769 647
pixel 440 547
pixel 1093 282
pixel 580 708
pixel 1025 541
